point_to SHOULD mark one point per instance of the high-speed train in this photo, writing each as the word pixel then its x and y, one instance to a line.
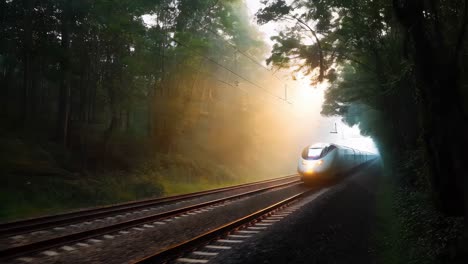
pixel 321 161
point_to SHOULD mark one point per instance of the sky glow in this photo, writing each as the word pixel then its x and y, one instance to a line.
pixel 307 100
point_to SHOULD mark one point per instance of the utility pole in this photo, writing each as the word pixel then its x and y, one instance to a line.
pixel 336 130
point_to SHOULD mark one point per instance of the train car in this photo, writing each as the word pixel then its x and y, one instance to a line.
pixel 322 162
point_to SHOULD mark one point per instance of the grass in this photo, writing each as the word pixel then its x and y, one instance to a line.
pixel 33 184
pixel 179 175
pixel 38 179
pixel 28 196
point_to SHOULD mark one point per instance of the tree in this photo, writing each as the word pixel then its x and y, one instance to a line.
pixel 64 90
pixel 85 73
pixel 402 61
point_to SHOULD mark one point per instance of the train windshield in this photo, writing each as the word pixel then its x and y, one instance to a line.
pixel 311 153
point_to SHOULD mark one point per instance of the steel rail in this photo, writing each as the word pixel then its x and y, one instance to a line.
pixel 46 222
pixel 93 233
pixel 174 251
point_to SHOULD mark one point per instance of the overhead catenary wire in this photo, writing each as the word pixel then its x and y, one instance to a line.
pixel 237 49
pixel 267 91
pixel 226 68
pixel 213 77
pixel 232 45
pixel 245 55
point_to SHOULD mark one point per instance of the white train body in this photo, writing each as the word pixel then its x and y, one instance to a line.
pixel 329 161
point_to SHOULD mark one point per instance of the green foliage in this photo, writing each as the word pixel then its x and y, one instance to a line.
pixel 91 95
pixel 272 12
pixel 434 237
pixel 118 64
pixel 29 194
pixel 341 31
pixel 395 70
pixel 359 47
pixel 409 229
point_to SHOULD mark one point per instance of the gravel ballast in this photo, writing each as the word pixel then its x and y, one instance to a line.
pixel 140 242
pixel 17 240
pixel 334 228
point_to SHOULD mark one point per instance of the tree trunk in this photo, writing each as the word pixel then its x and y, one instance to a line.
pixel 445 124
pixel 114 115
pixel 4 80
pixel 150 114
pixel 64 89
pixel 7 76
pixel 27 61
pixel 128 119
pixel 3 11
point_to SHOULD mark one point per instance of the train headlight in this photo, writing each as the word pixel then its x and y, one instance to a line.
pixel 311 164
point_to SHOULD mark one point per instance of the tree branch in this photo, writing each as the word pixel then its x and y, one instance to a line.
pixel 319 46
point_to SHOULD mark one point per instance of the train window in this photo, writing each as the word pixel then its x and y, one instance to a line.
pixel 327 150
pixel 311 153
pixel 349 154
pixel 324 152
pixel 314 152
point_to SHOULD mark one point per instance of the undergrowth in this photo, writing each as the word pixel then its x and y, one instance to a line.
pixel 409 227
pixel 34 184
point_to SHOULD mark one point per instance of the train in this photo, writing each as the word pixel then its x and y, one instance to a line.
pixel 323 162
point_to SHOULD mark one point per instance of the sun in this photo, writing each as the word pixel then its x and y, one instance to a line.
pixel 307 98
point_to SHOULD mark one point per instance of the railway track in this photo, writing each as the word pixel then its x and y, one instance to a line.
pixel 208 245
pixel 22 228
pixel 41 223
pixel 224 244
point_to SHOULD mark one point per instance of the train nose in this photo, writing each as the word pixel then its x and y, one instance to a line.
pixel 306 170
pixel 309 166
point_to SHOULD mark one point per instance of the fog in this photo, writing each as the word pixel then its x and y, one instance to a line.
pixel 244 114
pixel 240 125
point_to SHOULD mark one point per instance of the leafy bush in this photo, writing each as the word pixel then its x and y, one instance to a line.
pixel 415 231
pixel 29 193
pixel 432 236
